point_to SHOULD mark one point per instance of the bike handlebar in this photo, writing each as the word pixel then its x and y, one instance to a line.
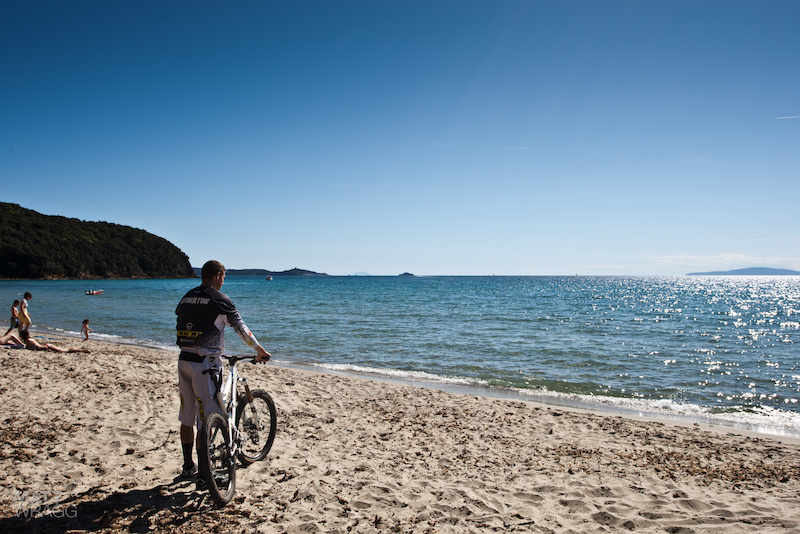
pixel 237 358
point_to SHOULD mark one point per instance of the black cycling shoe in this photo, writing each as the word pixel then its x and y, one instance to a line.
pixel 189 472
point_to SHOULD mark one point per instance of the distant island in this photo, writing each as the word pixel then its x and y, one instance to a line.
pixel 263 272
pixel 37 246
pixel 291 272
pixel 752 271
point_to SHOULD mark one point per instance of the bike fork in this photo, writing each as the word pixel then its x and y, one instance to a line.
pixel 250 399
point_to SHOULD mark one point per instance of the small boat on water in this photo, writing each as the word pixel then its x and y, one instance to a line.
pixel 269 277
pixel 94 292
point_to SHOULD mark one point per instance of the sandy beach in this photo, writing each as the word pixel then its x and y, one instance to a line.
pixel 90 443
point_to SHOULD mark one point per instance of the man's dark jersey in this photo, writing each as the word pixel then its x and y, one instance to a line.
pixel 203 314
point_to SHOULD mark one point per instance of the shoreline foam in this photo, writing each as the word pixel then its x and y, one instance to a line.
pixel 784 425
pixel 754 422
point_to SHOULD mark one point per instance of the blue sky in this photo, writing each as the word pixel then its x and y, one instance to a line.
pixel 437 137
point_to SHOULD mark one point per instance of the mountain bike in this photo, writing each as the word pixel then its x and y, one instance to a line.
pixel 246 432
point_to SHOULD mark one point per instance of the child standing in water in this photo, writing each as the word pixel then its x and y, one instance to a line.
pixel 85 330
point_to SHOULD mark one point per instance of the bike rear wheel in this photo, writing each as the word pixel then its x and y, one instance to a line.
pixel 257 422
pixel 217 465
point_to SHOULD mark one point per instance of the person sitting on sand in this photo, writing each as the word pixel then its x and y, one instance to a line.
pixel 32 344
pixel 10 339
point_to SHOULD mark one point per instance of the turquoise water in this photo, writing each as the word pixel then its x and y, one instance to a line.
pixel 719 349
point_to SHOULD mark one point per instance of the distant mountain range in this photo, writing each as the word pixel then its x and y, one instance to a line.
pixel 752 271
pixel 263 272
pixel 291 272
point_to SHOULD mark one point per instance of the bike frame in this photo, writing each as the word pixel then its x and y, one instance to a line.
pixel 227 398
pixel 221 448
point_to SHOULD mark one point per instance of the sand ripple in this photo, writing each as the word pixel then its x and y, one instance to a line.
pixel 89 442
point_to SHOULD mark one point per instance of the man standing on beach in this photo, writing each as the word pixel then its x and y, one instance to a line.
pixel 203 314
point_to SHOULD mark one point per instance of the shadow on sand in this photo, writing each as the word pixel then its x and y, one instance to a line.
pixel 174 507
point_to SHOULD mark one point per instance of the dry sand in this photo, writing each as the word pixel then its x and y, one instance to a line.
pixel 89 443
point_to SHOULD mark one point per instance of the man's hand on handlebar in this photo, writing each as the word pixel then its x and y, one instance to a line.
pixel 263 356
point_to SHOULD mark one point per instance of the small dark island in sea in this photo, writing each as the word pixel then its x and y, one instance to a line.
pixel 294 272
pixel 408 275
pixel 752 271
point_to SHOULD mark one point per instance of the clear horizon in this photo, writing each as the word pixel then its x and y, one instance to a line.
pixel 519 137
pixel 783 272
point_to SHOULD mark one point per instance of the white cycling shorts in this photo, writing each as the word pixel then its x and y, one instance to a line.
pixel 197 393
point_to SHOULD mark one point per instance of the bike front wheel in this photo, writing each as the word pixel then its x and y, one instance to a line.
pixel 257 422
pixel 217 465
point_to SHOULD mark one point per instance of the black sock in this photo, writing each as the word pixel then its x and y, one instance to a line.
pixel 187 455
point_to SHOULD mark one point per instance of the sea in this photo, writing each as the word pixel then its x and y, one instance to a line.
pixel 721 350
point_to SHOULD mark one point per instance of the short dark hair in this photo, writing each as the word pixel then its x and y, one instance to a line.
pixel 28 295
pixel 211 268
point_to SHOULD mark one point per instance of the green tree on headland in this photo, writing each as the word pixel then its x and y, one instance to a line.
pixel 48 246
